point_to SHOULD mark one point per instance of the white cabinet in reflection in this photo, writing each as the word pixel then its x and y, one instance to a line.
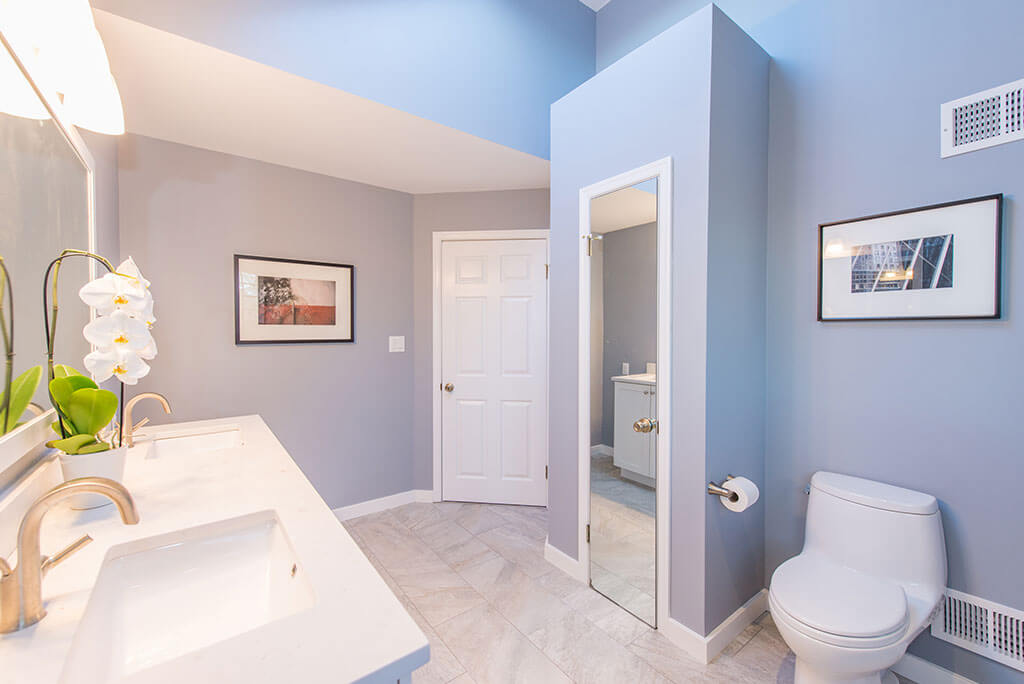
pixel 634 452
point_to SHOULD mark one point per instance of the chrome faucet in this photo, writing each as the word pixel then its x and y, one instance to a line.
pixel 128 430
pixel 21 589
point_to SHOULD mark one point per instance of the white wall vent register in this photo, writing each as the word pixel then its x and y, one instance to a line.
pixel 988 118
pixel 987 628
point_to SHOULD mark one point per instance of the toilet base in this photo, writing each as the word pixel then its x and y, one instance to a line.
pixel 807 675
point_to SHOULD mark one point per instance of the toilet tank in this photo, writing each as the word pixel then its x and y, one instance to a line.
pixel 878 529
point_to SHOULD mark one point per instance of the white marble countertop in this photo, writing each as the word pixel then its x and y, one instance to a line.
pixel 638 378
pixel 357 630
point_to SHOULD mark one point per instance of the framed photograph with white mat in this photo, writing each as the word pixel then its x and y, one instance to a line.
pixel 935 262
pixel 287 301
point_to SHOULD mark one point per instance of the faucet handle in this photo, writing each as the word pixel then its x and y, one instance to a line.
pixel 50 562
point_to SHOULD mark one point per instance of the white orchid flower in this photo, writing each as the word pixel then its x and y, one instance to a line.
pixel 129 268
pixel 145 314
pixel 119 330
pixel 112 292
pixel 149 351
pixel 126 365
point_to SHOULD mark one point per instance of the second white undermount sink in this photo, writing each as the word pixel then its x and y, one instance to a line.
pixel 163 597
pixel 169 444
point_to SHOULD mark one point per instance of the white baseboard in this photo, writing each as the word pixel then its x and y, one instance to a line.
pixel 925 672
pixel 705 648
pixel 384 503
pixel 601 450
pixel 565 563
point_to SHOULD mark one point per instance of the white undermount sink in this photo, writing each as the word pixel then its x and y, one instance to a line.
pixel 171 443
pixel 163 597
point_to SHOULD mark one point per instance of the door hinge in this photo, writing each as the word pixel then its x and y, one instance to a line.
pixel 590 237
pixel 588 533
pixel 545 472
pixel 547 271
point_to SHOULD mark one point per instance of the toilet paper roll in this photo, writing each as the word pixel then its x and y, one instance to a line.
pixel 745 491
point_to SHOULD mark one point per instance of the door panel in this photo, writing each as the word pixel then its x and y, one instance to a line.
pixel 623 249
pixel 494 354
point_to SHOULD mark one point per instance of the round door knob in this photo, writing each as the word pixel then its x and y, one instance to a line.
pixel 644 425
pixel 449 387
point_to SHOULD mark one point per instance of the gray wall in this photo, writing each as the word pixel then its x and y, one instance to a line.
pixel 502 210
pixel 104 153
pixel 343 411
pixel 835 155
pixel 657 102
pixel 630 331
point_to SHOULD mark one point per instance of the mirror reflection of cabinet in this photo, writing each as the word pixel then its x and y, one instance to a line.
pixel 634 452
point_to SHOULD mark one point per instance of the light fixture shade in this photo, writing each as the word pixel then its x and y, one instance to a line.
pixel 99 109
pixel 16 94
pixel 59 43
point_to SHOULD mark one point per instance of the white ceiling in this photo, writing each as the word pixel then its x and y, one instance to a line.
pixel 623 209
pixel 595 4
pixel 179 90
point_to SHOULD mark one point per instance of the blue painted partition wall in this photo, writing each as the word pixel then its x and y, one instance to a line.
pixel 656 102
pixel 854 128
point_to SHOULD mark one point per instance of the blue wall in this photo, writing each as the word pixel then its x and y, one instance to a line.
pixel 487 67
pixel 855 94
pixel 656 102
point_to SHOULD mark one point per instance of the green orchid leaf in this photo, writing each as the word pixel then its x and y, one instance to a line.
pixel 73 444
pixel 94 448
pixel 22 389
pixel 62 371
pixel 90 410
pixel 62 388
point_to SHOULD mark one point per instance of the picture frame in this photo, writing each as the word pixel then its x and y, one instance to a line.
pixel 900 265
pixel 292 301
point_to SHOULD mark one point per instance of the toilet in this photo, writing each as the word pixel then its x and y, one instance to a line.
pixel 869 580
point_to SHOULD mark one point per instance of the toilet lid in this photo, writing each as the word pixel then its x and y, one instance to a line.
pixel 838 600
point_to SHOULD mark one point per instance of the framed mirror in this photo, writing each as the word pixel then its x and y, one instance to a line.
pixel 624 365
pixel 46 205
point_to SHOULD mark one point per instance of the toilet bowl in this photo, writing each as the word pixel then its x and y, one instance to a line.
pixel 868 581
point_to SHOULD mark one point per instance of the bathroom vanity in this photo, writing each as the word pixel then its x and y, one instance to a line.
pixel 237 572
pixel 634 452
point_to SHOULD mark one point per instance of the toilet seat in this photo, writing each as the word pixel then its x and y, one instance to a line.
pixel 837 605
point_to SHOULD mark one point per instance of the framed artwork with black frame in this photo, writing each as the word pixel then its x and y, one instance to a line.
pixel 936 262
pixel 289 301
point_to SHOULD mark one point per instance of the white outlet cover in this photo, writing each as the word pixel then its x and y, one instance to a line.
pixel 625 368
pixel 396 343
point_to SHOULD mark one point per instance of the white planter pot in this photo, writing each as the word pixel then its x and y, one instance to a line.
pixel 108 464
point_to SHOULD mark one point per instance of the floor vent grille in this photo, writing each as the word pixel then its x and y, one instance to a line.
pixel 992 117
pixel 981 626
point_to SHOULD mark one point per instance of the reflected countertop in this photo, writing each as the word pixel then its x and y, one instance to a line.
pixel 638 378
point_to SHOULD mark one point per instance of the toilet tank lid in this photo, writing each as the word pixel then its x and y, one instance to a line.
pixel 874 494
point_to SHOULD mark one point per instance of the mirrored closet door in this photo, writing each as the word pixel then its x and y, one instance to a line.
pixel 623 409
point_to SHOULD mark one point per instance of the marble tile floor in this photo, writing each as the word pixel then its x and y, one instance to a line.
pixel 474 578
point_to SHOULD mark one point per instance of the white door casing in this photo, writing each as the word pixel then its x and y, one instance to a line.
pixel 493 337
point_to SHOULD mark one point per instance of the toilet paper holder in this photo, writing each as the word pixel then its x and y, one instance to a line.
pixel 718 490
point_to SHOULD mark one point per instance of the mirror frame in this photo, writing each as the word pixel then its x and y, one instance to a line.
pixel 20 448
pixel 662 171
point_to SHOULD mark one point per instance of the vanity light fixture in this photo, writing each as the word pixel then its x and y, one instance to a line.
pixel 56 42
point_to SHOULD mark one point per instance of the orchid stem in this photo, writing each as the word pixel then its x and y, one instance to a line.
pixel 50 324
pixel 8 286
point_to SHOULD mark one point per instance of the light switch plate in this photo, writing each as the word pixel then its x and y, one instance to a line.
pixel 396 343
pixel 652 368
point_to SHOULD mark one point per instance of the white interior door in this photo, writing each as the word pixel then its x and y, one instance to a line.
pixel 494 371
